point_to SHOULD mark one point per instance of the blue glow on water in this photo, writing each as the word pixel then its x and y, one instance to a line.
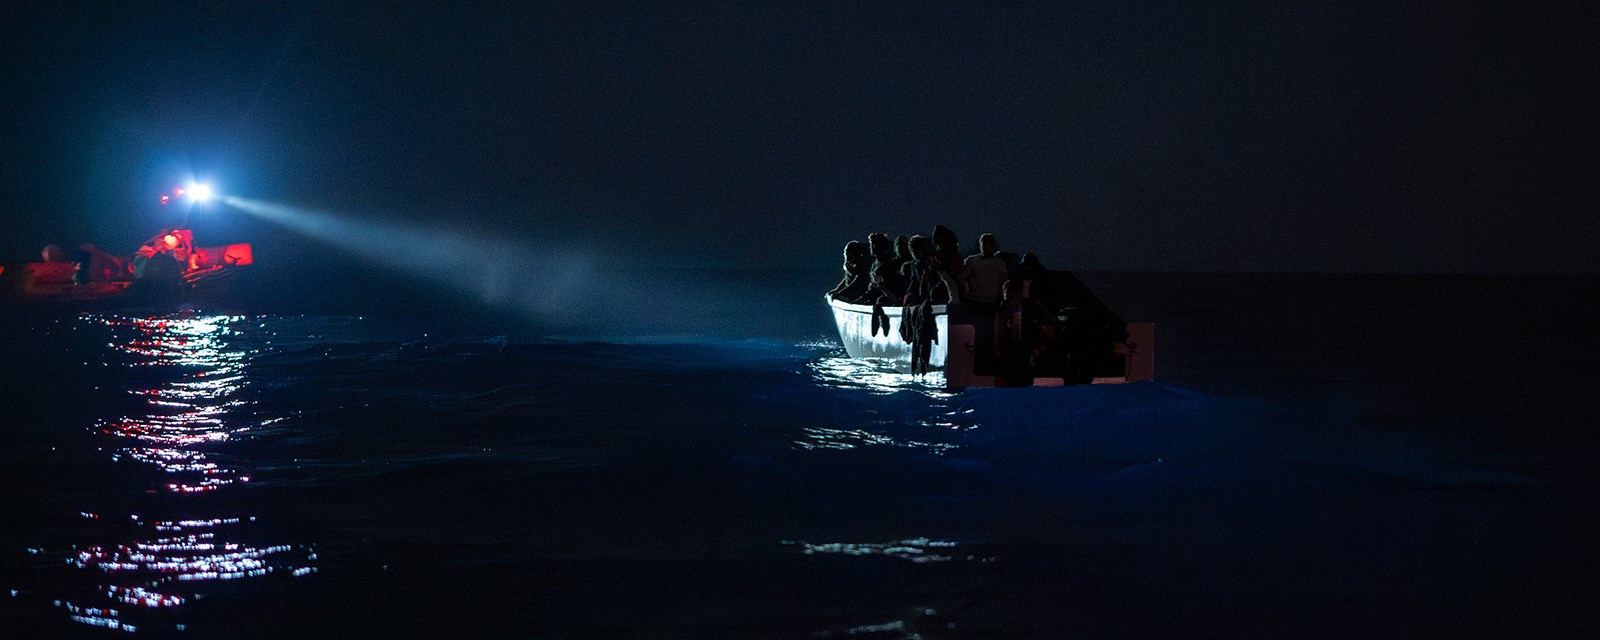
pixel 250 474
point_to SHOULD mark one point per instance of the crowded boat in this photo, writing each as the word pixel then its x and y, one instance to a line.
pixel 1013 322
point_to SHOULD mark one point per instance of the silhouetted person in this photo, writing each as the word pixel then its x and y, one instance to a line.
pixel 902 252
pixel 887 283
pixel 857 274
pixel 1029 271
pixel 879 246
pixel 927 287
pixel 80 266
pixel 100 266
pixel 1018 336
pixel 985 275
pixel 982 282
pixel 1087 328
pixel 160 278
pixel 948 249
pixel 926 280
pixel 912 262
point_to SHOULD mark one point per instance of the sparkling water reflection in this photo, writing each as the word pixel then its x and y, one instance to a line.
pixel 843 372
pixel 915 550
pixel 944 419
pixel 152 565
pixel 824 438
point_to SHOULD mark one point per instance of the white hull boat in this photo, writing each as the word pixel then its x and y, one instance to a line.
pixel 1136 353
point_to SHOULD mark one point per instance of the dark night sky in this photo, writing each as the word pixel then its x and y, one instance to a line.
pixel 1301 136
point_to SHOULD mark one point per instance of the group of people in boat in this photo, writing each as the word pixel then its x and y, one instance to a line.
pixel 1029 321
pixel 169 253
pixel 89 262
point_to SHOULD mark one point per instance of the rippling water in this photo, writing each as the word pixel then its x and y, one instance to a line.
pixel 282 475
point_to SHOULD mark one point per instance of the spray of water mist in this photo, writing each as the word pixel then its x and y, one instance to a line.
pixel 550 283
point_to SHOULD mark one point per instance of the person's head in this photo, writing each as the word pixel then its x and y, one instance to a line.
pixel 1029 266
pixel 902 247
pixel 878 244
pixel 987 245
pixel 921 247
pixel 944 240
pixel 856 257
pixel 53 253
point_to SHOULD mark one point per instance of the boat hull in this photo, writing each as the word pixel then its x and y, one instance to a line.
pixel 855 331
pixel 49 287
pixel 854 322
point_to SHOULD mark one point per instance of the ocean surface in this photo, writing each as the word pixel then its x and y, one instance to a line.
pixel 691 456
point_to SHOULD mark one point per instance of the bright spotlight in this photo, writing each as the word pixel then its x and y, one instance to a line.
pixel 200 192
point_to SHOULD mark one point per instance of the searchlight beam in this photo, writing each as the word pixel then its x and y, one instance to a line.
pixel 552 283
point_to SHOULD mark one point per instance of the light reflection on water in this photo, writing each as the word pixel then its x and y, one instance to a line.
pixel 945 419
pixel 916 621
pixel 916 550
pixel 155 564
pixel 180 416
pixel 843 372
pixel 824 438
pixel 839 372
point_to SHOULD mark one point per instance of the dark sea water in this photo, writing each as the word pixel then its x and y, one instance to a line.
pixel 1320 456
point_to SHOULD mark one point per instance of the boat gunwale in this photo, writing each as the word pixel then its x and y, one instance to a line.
pixel 938 309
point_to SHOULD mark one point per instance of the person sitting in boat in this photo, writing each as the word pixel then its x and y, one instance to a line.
pixel 53 253
pixel 948 249
pixel 1087 328
pixel 926 286
pixel 1017 337
pixel 985 276
pixel 95 265
pixel 80 266
pixel 911 262
pixel 857 274
pixel 175 244
pixel 888 286
pixel 902 253
pixel 926 279
pixel 982 283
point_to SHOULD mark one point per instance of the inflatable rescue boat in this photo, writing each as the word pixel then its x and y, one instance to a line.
pixel 164 270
